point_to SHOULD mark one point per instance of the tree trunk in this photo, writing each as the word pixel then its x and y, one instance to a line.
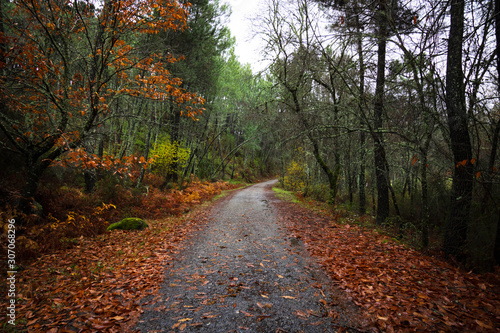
pixel 424 218
pixel 332 176
pixel 90 177
pixel 381 171
pixel 146 150
pixel 456 225
pixel 174 176
pixel 36 163
pixel 496 250
pixel 362 171
pixel 361 105
pixel 497 130
pixel 34 171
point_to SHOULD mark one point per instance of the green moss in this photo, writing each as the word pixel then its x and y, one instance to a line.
pixel 130 223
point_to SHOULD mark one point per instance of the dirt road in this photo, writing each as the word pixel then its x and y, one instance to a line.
pixel 243 272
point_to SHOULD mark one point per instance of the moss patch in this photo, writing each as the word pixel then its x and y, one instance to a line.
pixel 130 223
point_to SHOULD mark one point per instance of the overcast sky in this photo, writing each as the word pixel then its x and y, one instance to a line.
pixel 247 48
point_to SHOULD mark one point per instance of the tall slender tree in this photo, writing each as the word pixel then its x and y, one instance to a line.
pixel 456 225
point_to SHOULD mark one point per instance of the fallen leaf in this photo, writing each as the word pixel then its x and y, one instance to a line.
pixel 483 325
pixel 333 314
pixel 247 314
pixel 300 313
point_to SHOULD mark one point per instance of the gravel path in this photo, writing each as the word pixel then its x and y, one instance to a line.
pixel 242 272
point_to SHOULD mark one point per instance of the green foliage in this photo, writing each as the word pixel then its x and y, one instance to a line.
pixel 109 189
pixel 320 192
pixel 169 157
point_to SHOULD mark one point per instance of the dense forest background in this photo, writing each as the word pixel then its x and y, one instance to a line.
pixel 122 108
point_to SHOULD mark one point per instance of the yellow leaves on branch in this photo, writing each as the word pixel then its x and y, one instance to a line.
pixel 169 157
pixel 295 178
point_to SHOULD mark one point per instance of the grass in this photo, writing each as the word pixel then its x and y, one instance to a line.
pixel 285 195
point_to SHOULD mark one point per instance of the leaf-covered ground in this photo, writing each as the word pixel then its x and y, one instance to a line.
pixel 97 285
pixel 400 288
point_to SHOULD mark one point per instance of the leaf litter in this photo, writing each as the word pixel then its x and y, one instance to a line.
pixel 401 289
pixel 97 285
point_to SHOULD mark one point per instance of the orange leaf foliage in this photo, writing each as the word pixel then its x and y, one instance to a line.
pixel 53 96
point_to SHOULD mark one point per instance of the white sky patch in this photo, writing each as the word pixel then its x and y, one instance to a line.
pixel 248 46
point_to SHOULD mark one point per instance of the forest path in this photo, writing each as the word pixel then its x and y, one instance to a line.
pixel 242 272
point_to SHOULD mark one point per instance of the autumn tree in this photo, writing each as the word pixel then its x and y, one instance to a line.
pixel 58 61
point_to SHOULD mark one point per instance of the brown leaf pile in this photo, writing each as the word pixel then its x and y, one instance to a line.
pixel 401 289
pixel 96 286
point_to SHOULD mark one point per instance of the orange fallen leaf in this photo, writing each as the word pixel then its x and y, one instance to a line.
pixel 247 314
pixel 483 325
pixel 300 313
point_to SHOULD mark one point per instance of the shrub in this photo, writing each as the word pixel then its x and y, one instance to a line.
pixel 74 225
pixel 169 157
pixel 295 178
pixel 319 192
